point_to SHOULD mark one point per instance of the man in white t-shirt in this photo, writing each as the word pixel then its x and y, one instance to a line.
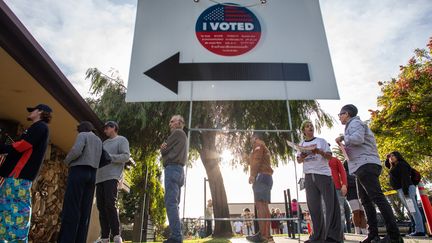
pixel 319 187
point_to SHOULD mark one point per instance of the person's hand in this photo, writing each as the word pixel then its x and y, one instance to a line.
pixel 163 146
pixel 344 190
pixel 251 179
pixel 301 157
pixel 339 139
pixel 317 151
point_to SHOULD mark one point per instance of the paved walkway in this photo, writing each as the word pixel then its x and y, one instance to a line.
pixel 350 238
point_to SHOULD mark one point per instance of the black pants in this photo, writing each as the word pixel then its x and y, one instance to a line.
pixel 209 227
pixel 77 204
pixel 370 193
pixel 325 227
pixel 106 199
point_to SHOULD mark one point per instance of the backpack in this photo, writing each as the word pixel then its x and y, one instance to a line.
pixel 415 176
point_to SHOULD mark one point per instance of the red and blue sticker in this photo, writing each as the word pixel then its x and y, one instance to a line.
pixel 228 29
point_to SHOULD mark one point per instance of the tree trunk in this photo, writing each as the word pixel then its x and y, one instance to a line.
pixel 210 159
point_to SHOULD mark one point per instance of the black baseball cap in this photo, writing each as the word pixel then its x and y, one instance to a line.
pixel 41 107
pixel 111 124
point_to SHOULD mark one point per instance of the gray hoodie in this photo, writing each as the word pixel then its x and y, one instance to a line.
pixel 360 145
pixel 87 150
pixel 118 149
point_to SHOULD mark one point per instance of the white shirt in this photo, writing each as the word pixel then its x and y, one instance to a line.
pixel 238 226
pixel 316 163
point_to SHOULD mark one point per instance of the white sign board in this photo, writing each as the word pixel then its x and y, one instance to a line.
pixel 240 50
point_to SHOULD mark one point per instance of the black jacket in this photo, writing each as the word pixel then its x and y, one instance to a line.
pixel 400 176
pixel 25 156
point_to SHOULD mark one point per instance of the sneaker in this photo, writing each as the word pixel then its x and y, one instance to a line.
pixel 118 239
pixel 387 239
pixel 255 238
pixel 417 234
pixel 371 239
pixel 100 240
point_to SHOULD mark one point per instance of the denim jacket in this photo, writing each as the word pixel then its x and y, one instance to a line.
pixel 360 145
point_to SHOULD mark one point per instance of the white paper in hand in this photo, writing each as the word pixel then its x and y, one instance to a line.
pixel 410 205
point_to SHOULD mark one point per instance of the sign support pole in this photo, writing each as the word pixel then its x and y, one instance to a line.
pixel 295 165
pixel 187 147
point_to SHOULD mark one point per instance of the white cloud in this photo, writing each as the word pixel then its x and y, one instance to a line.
pixel 368 41
pixel 81 34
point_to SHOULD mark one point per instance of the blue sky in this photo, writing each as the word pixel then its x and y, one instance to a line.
pixel 368 40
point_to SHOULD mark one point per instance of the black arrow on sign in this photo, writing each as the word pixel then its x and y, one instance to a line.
pixel 170 72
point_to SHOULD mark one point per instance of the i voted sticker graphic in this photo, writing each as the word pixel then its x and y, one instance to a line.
pixel 228 29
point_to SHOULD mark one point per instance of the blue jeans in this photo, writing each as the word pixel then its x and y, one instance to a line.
pixel 174 180
pixel 419 227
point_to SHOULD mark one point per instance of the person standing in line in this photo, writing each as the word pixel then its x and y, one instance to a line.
pixel 274 224
pixel 400 180
pixel 279 214
pixel 107 182
pixel 174 156
pixel 261 179
pixel 365 164
pixel 358 214
pixel 208 216
pixel 295 213
pixel 238 227
pixel 247 215
pixel 319 187
pixel 340 181
pixel 20 168
pixel 83 160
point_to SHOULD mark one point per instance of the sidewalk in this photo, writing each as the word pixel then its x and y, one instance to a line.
pixel 350 238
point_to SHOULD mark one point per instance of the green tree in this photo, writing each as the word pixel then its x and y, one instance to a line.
pixel 147 124
pixel 403 121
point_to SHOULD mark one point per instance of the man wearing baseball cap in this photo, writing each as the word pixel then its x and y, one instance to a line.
pixel 107 180
pixel 20 168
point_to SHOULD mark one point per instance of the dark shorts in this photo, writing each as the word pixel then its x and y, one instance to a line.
pixel 262 187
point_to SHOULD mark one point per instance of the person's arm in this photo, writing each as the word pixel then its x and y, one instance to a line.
pixel 324 150
pixel 171 142
pixel 356 134
pixel 35 134
pixel 257 156
pixel 176 144
pixel 405 175
pixel 301 157
pixel 77 149
pixel 343 177
pixel 123 153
